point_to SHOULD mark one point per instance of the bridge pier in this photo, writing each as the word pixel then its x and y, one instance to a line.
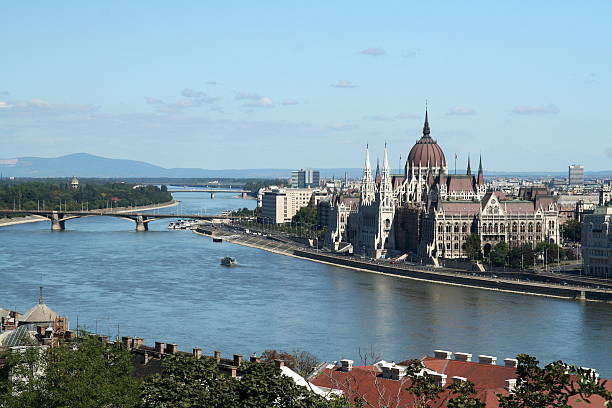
pixel 57 224
pixel 244 195
pixel 212 195
pixel 141 225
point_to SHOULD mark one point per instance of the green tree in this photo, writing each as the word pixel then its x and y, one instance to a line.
pixel 552 386
pixel 85 373
pixel 187 382
pixel 571 230
pixel 464 396
pixel 306 215
pixel 499 253
pixel 473 247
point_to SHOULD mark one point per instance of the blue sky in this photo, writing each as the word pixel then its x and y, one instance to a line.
pixel 243 84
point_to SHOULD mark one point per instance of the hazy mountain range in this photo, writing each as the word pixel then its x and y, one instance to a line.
pixel 87 165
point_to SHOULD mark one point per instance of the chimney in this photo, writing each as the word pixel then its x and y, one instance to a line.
pixel 463 356
pixel 279 363
pixel 127 341
pixel 237 360
pixel 146 358
pixel 491 360
pixel 233 371
pixel 511 362
pixel 590 372
pixel 347 365
pixel 458 380
pixel 443 354
pixel 511 385
pixel 103 339
pixel 137 342
pixel 254 359
pixel 218 356
pixel 398 372
pixel 439 379
pixel 171 348
pixel 160 347
pixel 197 353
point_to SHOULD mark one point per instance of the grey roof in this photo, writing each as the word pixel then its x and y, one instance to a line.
pixel 41 313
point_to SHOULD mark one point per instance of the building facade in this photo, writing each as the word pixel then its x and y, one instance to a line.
pixel 305 178
pixel 429 213
pixel 279 205
pixel 597 242
pixel 575 176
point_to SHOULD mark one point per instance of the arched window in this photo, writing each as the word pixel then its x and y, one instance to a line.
pixel 502 228
pixel 456 246
pixel 514 227
pixel 522 227
pixel 538 227
pixel 464 228
pixel 456 227
pixel 440 228
pixel 342 218
pixel 530 227
pixel 448 228
pixel 496 228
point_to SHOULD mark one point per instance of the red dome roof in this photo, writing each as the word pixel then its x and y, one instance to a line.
pixel 426 152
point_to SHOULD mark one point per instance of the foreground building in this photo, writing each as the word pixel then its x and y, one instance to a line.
pixel 279 205
pixel 430 213
pixel 597 242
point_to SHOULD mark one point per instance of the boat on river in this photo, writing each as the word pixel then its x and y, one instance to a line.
pixel 228 261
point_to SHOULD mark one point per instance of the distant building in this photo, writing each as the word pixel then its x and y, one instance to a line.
pixel 279 205
pixel 605 194
pixel 305 178
pixel 596 240
pixel 74 184
pixel 575 175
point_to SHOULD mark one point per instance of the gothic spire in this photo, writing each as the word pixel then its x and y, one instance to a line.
pixel 469 169
pixel 426 130
pixel 377 174
pixel 480 179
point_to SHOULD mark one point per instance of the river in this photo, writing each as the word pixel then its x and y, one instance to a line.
pixel 169 286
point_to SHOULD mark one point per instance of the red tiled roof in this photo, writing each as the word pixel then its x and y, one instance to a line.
pixel 519 207
pixel 460 182
pixel 426 152
pixel 367 382
pixel 460 207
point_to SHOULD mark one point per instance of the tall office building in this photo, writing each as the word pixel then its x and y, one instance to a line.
pixel 305 178
pixel 575 175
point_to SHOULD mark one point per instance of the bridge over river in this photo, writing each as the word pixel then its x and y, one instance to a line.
pixel 211 191
pixel 142 220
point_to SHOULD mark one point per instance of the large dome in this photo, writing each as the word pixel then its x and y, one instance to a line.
pixel 426 151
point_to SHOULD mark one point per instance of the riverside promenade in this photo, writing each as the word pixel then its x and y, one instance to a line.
pixel 521 283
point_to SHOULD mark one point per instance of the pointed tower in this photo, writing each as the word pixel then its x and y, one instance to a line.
pixel 367 184
pixel 377 176
pixel 469 169
pixel 386 186
pixel 480 178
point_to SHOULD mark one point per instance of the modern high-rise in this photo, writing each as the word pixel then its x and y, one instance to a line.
pixel 575 175
pixel 305 178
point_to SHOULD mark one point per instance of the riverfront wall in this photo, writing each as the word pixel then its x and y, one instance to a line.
pixel 534 288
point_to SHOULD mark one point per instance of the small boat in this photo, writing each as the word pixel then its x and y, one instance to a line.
pixel 217 239
pixel 228 261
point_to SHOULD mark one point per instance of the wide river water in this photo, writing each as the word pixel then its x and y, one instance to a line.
pixel 169 286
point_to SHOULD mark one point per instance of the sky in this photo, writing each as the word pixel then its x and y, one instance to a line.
pixel 290 84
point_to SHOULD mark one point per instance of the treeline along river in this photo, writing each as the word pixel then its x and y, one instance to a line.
pixel 169 286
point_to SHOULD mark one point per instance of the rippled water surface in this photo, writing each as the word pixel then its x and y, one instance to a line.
pixel 169 286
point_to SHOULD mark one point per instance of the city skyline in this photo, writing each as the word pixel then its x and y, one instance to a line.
pixel 197 86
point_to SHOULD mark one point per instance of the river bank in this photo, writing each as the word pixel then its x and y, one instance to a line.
pixel 5 222
pixel 426 274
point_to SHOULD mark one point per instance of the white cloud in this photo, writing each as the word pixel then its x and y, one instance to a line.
pixel 37 105
pixel 343 84
pixel 247 96
pixel 190 93
pixel 287 102
pixel 153 101
pixel 461 111
pixel 4 105
pixel 263 102
pixel 536 110
pixel 374 51
pixel 342 126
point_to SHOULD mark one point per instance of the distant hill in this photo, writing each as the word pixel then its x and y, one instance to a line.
pixel 87 165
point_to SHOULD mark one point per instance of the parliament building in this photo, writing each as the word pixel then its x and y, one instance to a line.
pixel 428 213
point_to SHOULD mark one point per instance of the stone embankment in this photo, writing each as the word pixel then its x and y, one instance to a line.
pixel 506 283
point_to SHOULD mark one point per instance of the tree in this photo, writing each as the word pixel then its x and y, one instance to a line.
pixel 84 373
pixel 302 362
pixel 571 230
pixel 306 215
pixel 465 396
pixel 473 247
pixel 552 386
pixel 189 382
pixel 498 254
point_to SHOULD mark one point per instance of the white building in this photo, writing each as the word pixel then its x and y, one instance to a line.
pixel 597 242
pixel 279 205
